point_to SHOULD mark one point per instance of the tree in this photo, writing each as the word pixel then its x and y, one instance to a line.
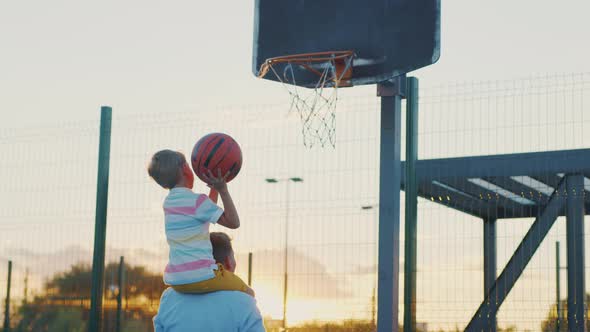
pixel 50 318
pixel 549 324
pixel 63 304
pixel 77 282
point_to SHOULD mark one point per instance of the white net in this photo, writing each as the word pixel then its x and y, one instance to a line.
pixel 315 106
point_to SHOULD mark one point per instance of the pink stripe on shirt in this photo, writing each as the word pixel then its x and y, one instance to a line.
pixel 194 265
pixel 186 210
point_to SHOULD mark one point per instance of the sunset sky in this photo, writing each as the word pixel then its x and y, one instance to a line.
pixel 174 72
pixel 61 59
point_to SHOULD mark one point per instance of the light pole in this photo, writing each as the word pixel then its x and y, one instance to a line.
pixel 286 258
pixel 373 207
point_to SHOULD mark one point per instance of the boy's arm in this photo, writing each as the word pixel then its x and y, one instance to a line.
pixel 229 218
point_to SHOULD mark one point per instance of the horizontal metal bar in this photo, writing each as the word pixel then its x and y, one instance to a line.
pixel 480 208
pixel 456 200
pixel 491 198
pixel 551 180
pixel 519 189
pixel 518 164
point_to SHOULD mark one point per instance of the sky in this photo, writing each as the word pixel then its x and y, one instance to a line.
pixel 172 71
pixel 62 59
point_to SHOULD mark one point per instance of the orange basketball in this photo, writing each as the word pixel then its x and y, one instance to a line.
pixel 216 151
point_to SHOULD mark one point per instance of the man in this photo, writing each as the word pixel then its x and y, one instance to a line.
pixel 223 311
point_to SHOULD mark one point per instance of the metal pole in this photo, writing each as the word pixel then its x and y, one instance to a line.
pixel 489 268
pixel 391 93
pixel 576 290
pixel 373 307
pixel 411 216
pixel 121 287
pixel 374 293
pixel 285 268
pixel 102 190
pixel 7 303
pixel 557 287
pixel 250 269
pixel 26 290
pixel 376 276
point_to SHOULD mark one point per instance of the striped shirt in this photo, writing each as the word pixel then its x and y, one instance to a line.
pixel 187 219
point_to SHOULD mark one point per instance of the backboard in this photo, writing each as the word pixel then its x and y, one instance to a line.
pixel 388 37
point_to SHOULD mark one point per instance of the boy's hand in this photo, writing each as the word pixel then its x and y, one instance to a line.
pixel 218 183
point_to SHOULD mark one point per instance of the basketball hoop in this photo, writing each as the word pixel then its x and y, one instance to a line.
pixel 316 108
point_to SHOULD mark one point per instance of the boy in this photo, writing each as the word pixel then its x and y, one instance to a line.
pixel 191 267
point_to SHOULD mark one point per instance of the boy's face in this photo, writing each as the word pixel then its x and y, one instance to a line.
pixel 189 177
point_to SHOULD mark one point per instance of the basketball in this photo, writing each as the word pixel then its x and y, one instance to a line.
pixel 216 151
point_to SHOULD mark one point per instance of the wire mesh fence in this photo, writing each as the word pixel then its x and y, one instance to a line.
pixel 48 193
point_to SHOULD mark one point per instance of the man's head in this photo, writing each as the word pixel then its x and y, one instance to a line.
pixel 222 250
pixel 170 169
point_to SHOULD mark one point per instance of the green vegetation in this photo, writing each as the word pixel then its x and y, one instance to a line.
pixel 64 303
pixel 348 326
pixel 549 324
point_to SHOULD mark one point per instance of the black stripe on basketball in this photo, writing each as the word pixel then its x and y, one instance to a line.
pixel 206 147
pixel 229 149
pixel 212 153
pixel 232 170
pixel 196 150
pixel 216 151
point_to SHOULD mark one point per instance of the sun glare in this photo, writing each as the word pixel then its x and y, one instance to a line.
pixel 300 310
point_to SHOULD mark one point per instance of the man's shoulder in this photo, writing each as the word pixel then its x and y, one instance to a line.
pixel 234 296
pixel 177 312
pixel 239 303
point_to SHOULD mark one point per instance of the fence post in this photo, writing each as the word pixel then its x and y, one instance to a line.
pixel 26 290
pixel 411 202
pixel 489 266
pixel 7 304
pixel 250 269
pixel 558 287
pixel 576 288
pixel 100 226
pixel 121 287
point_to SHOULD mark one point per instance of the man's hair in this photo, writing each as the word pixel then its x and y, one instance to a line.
pixel 165 168
pixel 221 243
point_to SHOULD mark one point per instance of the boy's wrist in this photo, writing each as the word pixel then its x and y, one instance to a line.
pixel 223 191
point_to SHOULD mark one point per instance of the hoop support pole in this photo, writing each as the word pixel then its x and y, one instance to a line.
pixel 391 94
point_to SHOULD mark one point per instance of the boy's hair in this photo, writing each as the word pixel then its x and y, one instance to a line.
pixel 221 244
pixel 165 168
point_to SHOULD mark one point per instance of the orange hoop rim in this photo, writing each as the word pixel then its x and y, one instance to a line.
pixel 304 59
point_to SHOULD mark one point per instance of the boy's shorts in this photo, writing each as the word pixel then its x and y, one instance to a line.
pixel 223 280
